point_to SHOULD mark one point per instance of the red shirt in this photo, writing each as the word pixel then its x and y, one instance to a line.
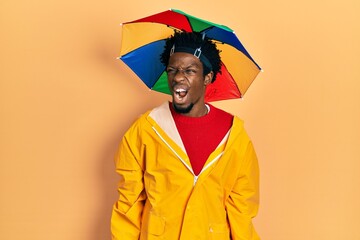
pixel 201 135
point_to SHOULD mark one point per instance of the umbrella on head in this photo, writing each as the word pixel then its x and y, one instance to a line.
pixel 143 41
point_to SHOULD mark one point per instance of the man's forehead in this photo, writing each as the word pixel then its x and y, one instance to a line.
pixel 184 58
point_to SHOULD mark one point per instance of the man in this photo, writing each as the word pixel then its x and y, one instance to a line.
pixel 188 170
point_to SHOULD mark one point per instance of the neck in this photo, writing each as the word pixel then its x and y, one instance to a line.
pixel 193 111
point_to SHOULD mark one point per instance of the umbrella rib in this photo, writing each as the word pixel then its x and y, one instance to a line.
pixel 192 29
pixel 157 79
pixel 237 86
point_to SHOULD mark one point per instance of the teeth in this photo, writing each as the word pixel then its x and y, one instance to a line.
pixel 181 93
pixel 180 90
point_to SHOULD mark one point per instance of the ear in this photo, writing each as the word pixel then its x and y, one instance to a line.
pixel 208 78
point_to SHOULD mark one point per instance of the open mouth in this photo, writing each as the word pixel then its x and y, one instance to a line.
pixel 180 93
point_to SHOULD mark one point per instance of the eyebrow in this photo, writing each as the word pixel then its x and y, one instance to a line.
pixel 188 66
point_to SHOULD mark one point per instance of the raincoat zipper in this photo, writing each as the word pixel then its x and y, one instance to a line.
pixel 186 165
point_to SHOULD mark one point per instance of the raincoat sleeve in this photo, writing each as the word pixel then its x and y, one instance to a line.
pixel 243 202
pixel 127 211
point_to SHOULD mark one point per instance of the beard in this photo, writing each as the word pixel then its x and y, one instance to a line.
pixel 183 110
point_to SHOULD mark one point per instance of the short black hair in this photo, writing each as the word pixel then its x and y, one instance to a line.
pixel 194 40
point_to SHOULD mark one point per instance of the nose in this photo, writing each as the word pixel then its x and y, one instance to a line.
pixel 179 75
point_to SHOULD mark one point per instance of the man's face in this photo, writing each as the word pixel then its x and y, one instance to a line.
pixel 187 83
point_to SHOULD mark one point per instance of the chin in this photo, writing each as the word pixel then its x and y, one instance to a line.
pixel 183 109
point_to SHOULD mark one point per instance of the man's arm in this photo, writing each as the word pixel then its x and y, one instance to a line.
pixel 243 202
pixel 127 211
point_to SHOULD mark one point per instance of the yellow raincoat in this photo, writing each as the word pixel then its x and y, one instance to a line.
pixel 161 198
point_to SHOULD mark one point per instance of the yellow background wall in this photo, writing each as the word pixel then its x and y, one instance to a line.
pixel 65 102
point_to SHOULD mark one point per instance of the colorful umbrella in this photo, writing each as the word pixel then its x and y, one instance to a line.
pixel 143 41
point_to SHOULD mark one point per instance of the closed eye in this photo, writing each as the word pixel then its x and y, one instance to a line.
pixel 171 70
pixel 188 71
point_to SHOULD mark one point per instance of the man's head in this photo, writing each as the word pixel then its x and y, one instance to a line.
pixel 191 64
pixel 189 42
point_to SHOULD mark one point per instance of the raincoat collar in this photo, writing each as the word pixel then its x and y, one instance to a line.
pixel 164 125
pixel 163 118
pixel 161 115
